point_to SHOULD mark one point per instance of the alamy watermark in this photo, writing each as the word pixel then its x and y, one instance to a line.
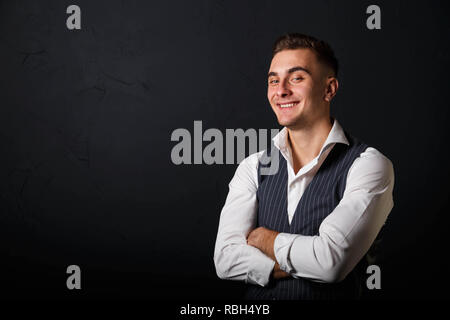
pixel 374 280
pixel 373 22
pixel 73 21
pixel 230 147
pixel 74 280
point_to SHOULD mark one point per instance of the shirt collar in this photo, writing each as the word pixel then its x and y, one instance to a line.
pixel 336 135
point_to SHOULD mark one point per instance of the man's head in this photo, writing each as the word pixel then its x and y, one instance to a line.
pixel 302 80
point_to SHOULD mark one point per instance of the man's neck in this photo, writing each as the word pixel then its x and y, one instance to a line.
pixel 306 142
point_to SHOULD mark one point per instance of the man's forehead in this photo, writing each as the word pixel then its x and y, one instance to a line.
pixel 284 60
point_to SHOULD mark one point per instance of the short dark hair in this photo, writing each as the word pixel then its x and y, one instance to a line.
pixel 323 50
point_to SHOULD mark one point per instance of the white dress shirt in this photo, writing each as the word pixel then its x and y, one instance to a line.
pixel 345 235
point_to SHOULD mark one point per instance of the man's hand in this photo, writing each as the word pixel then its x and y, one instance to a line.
pixel 277 273
pixel 263 239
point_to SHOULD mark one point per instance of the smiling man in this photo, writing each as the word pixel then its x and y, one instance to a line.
pixel 308 230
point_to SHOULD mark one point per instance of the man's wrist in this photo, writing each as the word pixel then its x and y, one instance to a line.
pixel 282 247
pixel 270 249
pixel 277 273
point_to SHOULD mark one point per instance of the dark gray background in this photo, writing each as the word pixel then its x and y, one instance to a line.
pixel 86 118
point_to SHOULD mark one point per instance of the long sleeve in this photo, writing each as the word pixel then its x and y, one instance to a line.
pixel 347 233
pixel 233 257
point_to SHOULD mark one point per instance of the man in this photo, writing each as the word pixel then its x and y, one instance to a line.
pixel 305 231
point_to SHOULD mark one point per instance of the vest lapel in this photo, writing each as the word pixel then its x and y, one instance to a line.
pixel 283 221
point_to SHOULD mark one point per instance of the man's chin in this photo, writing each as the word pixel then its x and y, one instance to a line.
pixel 291 124
pixel 286 123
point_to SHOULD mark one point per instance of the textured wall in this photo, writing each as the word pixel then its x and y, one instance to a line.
pixel 86 117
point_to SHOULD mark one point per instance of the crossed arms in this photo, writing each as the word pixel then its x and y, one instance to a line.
pixel 345 235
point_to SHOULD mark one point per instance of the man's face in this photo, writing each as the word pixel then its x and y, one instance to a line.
pixel 297 84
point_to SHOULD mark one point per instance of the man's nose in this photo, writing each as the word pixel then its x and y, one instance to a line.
pixel 283 89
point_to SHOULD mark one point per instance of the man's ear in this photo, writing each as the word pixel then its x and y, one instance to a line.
pixel 332 85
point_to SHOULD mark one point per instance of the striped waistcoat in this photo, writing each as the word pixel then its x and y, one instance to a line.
pixel 321 196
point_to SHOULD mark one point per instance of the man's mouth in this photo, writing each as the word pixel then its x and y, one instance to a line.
pixel 289 104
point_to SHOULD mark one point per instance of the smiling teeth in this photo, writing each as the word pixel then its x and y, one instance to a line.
pixel 287 105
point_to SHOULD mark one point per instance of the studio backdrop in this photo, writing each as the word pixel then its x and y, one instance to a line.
pixel 119 124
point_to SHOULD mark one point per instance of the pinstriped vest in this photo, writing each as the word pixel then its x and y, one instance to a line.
pixel 320 198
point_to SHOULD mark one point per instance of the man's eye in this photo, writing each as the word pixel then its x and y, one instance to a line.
pixel 273 81
pixel 297 78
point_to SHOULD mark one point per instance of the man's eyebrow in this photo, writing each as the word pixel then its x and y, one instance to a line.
pixel 291 70
pixel 299 69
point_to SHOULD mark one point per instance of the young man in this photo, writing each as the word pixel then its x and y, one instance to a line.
pixel 305 231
